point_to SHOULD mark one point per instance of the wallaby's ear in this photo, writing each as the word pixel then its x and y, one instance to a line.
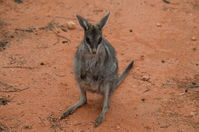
pixel 83 22
pixel 103 21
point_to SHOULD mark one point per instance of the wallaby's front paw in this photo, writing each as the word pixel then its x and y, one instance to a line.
pixel 99 120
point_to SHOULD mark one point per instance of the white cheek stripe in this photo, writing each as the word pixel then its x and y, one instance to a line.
pixel 89 47
pixel 107 49
pixel 98 48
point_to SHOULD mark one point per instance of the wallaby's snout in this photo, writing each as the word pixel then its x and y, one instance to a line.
pixel 93 38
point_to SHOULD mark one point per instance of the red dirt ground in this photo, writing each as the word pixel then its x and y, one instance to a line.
pixel 163 39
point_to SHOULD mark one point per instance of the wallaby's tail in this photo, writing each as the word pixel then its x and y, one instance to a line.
pixel 124 74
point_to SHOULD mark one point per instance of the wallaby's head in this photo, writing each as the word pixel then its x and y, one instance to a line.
pixel 93 33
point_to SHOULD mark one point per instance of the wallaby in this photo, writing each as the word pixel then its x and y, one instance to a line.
pixel 96 66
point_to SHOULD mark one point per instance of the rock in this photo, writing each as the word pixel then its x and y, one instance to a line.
pixel 163 61
pixel 130 30
pixel 70 25
pixel 142 57
pixel 145 78
pixel 4 101
pixel 65 42
pixel 118 127
pixel 27 127
pixel 158 25
pixel 3 45
pixel 143 99
pixel 193 38
pixel 194 83
pixel 194 49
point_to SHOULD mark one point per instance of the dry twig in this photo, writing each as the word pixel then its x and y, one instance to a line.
pixel 20 67
pixel 51 27
pixel 14 90
pixel 9 88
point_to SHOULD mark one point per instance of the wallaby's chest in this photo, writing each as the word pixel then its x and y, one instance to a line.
pixel 92 78
pixel 92 64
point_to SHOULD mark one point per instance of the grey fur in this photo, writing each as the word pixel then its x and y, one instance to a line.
pixel 96 67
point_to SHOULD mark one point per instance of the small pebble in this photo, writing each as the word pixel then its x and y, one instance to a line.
pixel 145 78
pixel 70 25
pixel 194 49
pixel 143 99
pixel 64 42
pixel 11 36
pixel 193 38
pixel 27 127
pixel 194 83
pixel 163 61
pixel 118 127
pixel 158 25
pixel 142 57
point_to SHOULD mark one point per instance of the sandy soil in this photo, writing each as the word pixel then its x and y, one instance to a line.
pixel 36 57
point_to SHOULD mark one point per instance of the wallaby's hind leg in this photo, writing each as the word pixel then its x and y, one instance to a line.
pixel 105 107
pixel 82 101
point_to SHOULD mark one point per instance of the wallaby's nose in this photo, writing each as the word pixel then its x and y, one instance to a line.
pixel 94 51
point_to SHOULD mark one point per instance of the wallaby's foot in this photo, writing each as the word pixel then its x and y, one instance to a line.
pixel 99 120
pixel 71 109
pixel 66 113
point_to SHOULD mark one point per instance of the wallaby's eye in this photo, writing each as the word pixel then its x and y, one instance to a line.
pixel 100 39
pixel 88 40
